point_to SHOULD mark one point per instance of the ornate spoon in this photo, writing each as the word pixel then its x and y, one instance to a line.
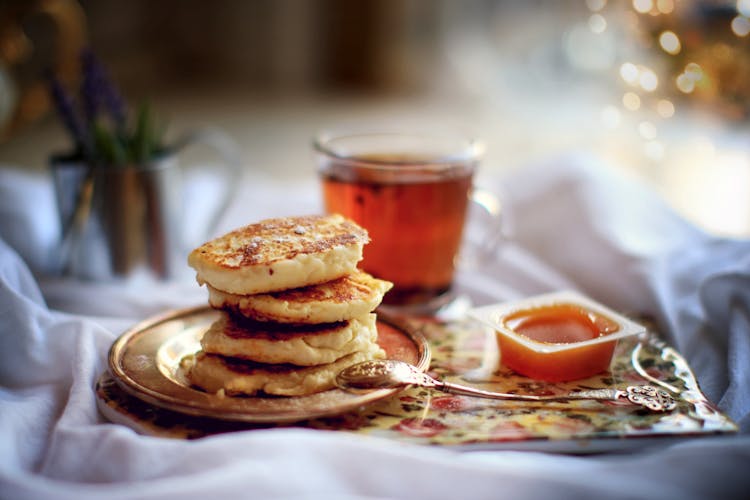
pixel 387 373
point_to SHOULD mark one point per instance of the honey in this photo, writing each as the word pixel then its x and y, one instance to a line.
pixel 560 324
pixel 554 325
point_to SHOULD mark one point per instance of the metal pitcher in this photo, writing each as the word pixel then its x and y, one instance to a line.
pixel 120 219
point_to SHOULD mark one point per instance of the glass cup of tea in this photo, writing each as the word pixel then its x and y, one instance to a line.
pixel 411 191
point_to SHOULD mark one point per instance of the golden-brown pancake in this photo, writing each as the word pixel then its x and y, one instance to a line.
pixel 351 296
pixel 302 345
pixel 278 254
pixel 232 376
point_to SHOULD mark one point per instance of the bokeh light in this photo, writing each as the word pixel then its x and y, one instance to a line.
pixel 643 6
pixel 685 83
pixel 648 80
pixel 670 43
pixel 694 71
pixel 741 26
pixel 665 108
pixel 597 23
pixel 629 73
pixel 631 101
pixel 665 6
pixel 596 5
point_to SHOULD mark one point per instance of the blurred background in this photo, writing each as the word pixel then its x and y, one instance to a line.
pixel 659 89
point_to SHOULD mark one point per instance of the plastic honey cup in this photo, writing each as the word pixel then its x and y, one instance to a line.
pixel 556 337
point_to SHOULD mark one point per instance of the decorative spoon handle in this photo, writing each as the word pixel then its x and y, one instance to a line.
pixel 391 373
pixel 644 395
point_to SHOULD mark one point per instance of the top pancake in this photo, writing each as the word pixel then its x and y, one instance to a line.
pixel 279 254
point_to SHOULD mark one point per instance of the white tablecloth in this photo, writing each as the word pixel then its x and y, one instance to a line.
pixel 574 225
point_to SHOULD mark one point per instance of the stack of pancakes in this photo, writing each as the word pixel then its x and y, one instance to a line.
pixel 295 308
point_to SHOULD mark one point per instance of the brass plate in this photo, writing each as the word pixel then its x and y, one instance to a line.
pixel 145 362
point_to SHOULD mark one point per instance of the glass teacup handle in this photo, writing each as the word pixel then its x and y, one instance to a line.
pixel 494 229
pixel 231 166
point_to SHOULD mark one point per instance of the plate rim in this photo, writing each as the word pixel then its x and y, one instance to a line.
pixel 169 402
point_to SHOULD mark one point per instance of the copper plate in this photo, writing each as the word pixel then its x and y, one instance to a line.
pixel 145 362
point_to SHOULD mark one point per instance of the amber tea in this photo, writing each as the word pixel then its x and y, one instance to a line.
pixel 414 208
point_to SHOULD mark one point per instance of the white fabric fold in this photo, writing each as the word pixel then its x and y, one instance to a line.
pixel 575 226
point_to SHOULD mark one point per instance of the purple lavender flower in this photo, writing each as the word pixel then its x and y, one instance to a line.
pixel 91 88
pixel 98 89
pixel 66 108
pixel 104 138
pixel 116 105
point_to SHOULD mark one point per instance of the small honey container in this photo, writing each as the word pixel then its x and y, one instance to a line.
pixel 556 337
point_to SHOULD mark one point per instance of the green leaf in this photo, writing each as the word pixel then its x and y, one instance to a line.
pixel 109 149
pixel 137 144
pixel 145 141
